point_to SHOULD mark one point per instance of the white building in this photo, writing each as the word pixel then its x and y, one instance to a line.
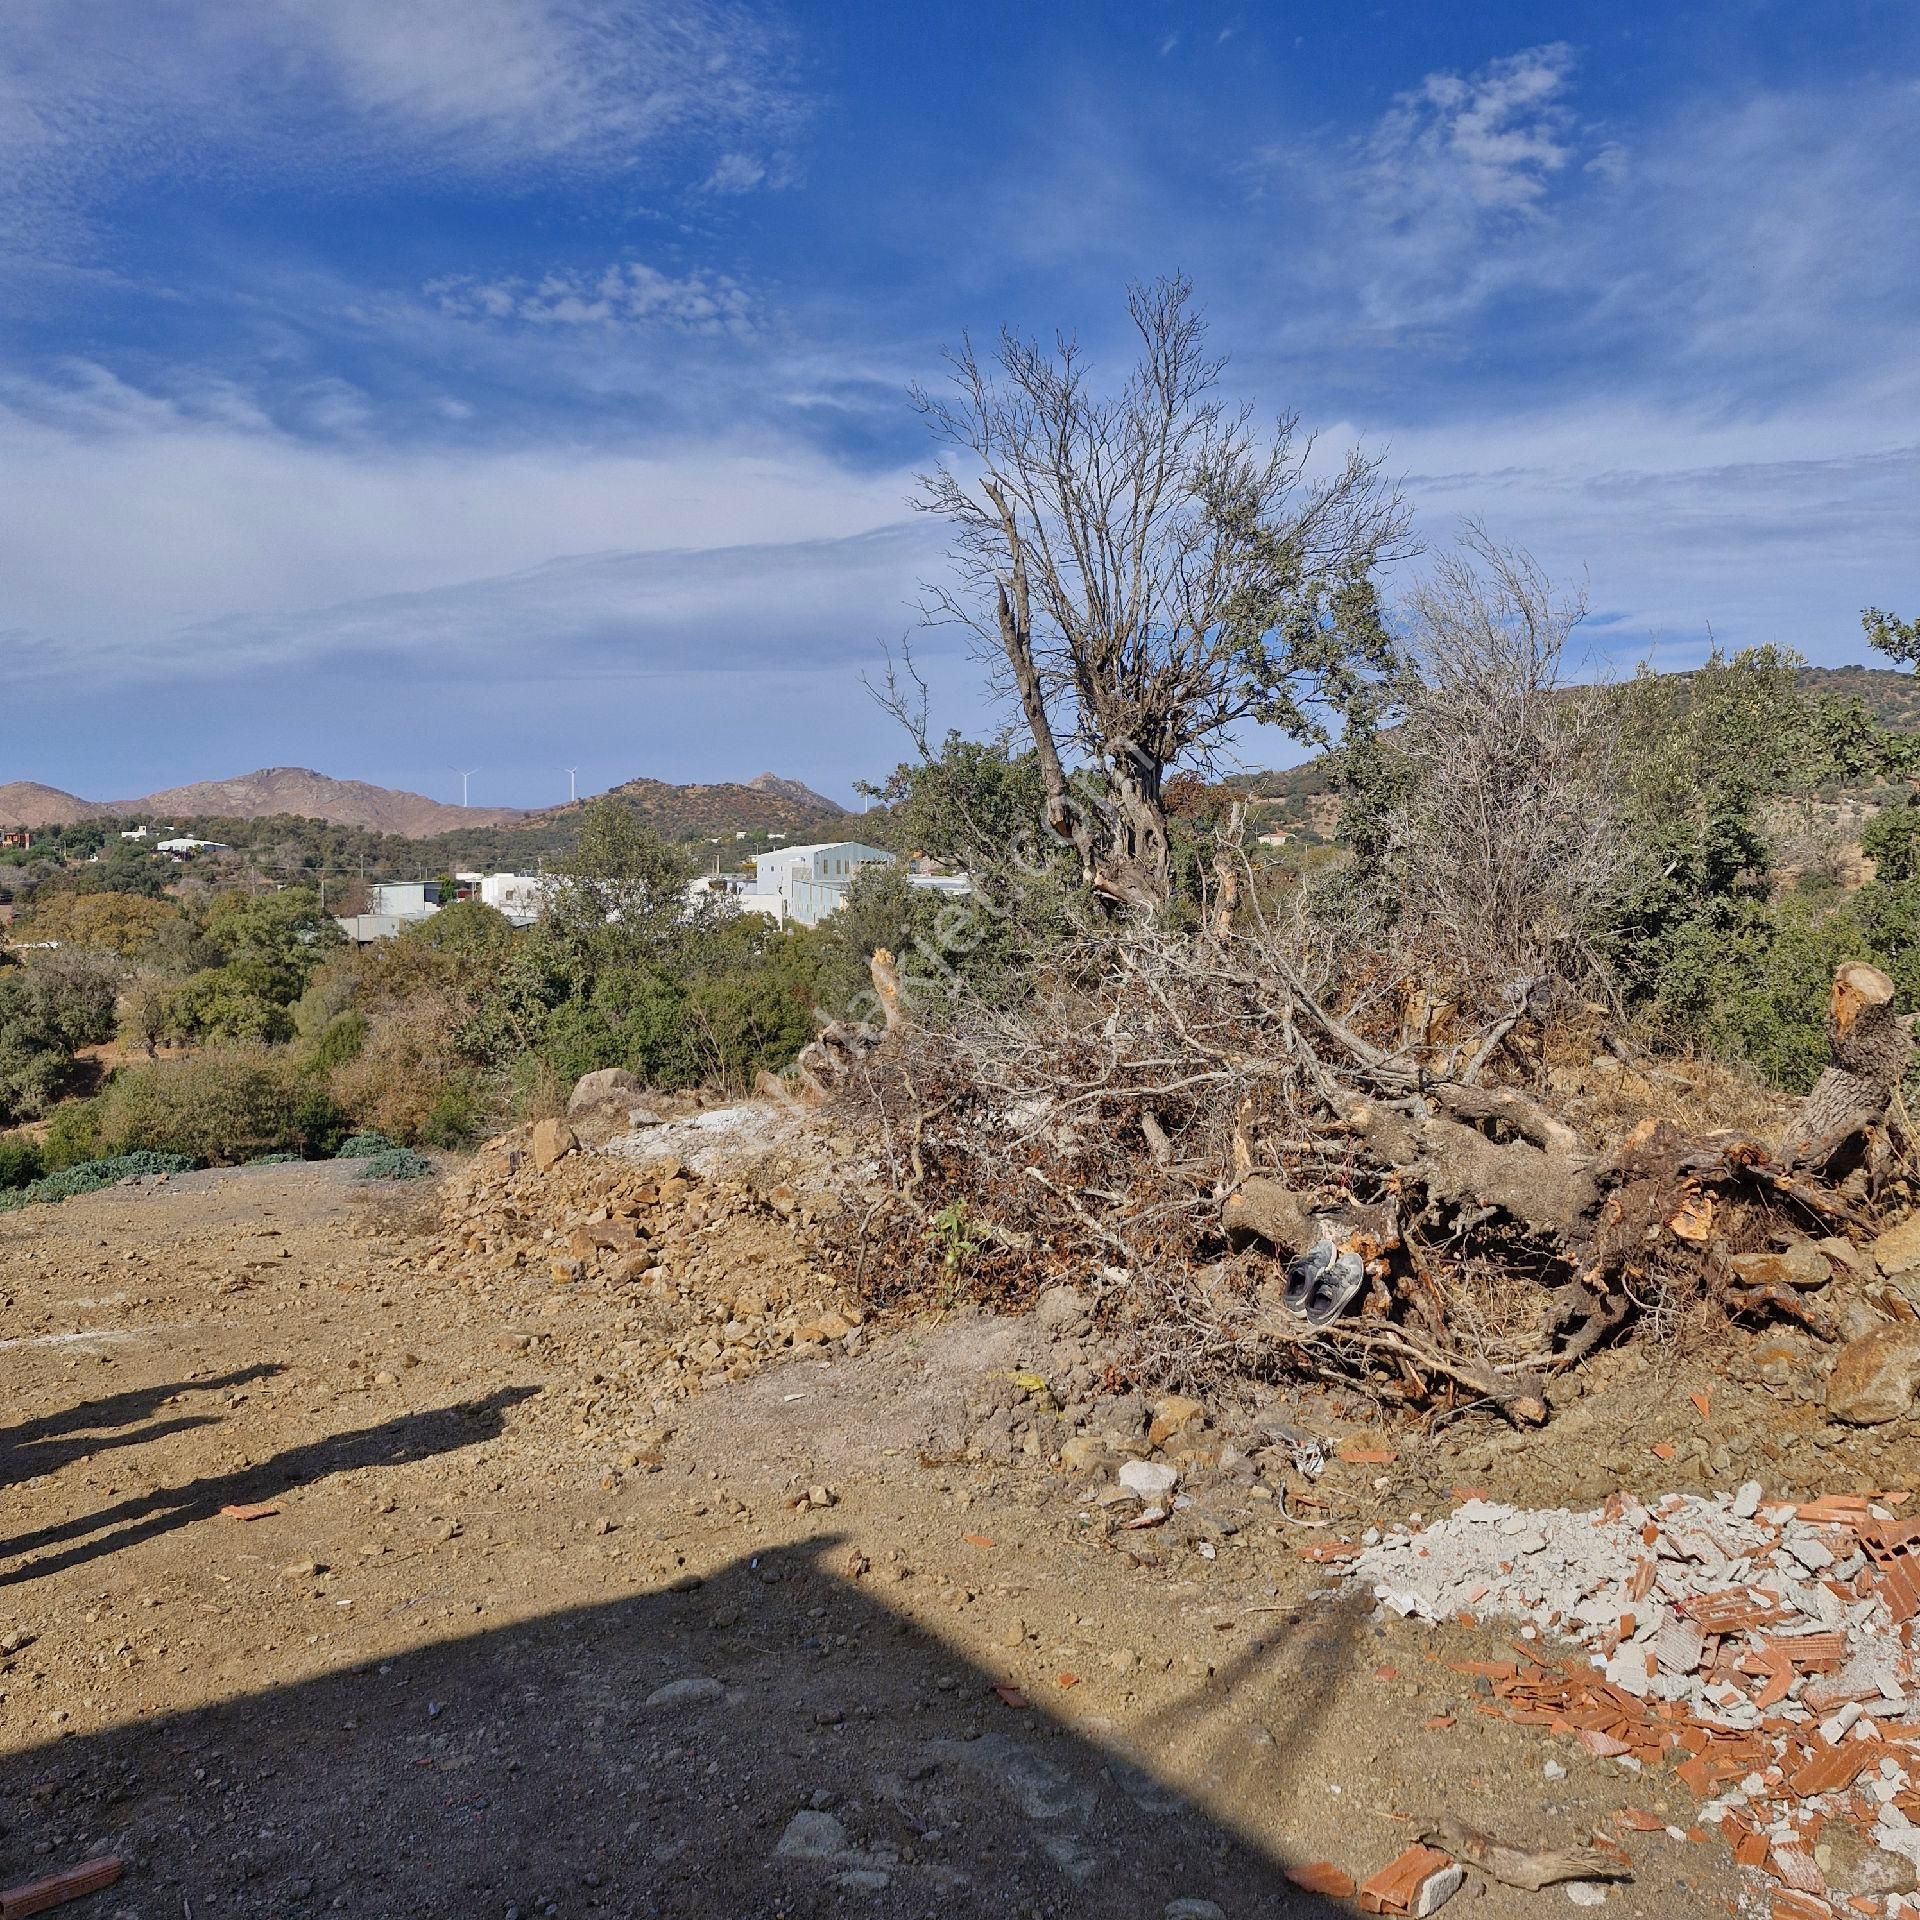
pixel 186 847
pixel 392 907
pixel 738 892
pixel 519 896
pixel 811 882
pixel 404 900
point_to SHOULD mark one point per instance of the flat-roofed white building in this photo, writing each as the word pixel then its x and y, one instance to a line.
pixel 519 896
pixel 811 882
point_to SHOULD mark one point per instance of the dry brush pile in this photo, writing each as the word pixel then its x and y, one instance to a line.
pixel 1270 1163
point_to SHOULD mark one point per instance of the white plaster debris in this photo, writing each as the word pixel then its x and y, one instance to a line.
pixel 1617 1582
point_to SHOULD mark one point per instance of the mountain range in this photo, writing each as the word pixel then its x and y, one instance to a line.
pixel 767 803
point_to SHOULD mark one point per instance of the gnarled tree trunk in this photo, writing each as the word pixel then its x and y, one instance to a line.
pixel 1872 1047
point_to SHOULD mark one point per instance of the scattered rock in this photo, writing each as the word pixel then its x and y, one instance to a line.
pixel 694 1691
pixel 1799 1266
pixel 1060 1310
pixel 1149 1478
pixel 1897 1251
pixel 1173 1415
pixel 1854 1863
pixel 553 1140
pixel 1188 1908
pixel 603 1104
pixel 1857 1261
pixel 812 1835
pixel 1875 1378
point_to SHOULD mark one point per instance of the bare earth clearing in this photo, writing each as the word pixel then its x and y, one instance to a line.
pixel 428 1683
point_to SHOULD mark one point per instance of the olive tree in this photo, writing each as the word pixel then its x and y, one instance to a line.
pixel 1146 569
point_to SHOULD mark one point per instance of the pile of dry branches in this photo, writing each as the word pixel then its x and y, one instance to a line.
pixel 1178 1118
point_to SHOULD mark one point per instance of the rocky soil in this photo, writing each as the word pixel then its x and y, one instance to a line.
pixel 593 1555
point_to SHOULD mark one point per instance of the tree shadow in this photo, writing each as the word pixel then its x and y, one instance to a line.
pixel 94 1426
pixel 409 1437
pixel 533 1769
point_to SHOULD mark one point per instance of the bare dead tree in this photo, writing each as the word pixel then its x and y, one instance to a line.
pixel 1146 571
pixel 1501 840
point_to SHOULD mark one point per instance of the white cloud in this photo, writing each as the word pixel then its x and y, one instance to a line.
pixel 632 294
pixel 1730 241
pixel 170 533
pixel 1777 530
pixel 796 605
pixel 99 97
pixel 1491 141
pixel 737 173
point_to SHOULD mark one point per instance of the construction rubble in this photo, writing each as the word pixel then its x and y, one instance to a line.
pixel 669 1280
pixel 1763 1651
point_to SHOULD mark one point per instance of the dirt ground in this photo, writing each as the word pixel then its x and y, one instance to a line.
pixel 429 1681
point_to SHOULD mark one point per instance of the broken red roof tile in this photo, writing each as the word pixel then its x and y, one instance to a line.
pixel 1788 1905
pixel 1797 1867
pixel 1833 1769
pixel 1322 1876
pixel 1396 1886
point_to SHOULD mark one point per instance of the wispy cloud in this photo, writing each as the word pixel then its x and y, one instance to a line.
pixel 1697 249
pixel 803 604
pixel 95 99
pixel 184 532
pixel 629 295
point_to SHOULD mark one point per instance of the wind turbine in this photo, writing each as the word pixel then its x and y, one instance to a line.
pixel 570 772
pixel 465 774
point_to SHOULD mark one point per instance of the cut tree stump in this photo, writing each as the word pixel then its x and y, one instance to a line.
pixel 1871 1047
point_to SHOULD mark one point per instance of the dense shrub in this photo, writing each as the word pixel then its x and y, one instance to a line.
pixel 399 1163
pixel 364 1146
pixel 127 925
pixel 73 1134
pixel 410 1082
pixel 89 1176
pixel 21 1161
pixel 222 1106
pixel 342 1039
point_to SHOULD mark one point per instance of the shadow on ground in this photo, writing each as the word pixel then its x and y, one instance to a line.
pixel 522 1771
pixel 96 1426
pixel 410 1437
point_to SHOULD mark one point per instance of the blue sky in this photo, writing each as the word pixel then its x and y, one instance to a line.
pixel 391 385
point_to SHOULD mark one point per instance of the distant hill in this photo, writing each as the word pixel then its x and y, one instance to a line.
pixel 1890 694
pixel 801 796
pixel 316 796
pixel 25 803
pixel 766 804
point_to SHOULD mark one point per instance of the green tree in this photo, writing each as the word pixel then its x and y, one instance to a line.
pixel 620 896
pixel 1891 839
pixel 1702 755
pixel 128 925
pixel 1898 639
pixel 48 1011
pixel 270 945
